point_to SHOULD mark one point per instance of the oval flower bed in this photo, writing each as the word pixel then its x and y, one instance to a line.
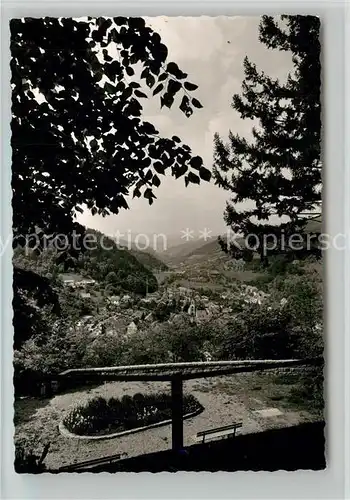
pixel 102 417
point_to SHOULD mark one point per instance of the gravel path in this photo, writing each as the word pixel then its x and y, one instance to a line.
pixel 222 401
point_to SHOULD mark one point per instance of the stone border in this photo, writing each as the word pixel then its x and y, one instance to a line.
pixel 66 433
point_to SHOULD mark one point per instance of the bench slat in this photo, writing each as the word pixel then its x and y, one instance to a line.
pixel 234 426
pixel 96 461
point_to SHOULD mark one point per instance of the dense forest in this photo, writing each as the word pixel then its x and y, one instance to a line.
pixel 110 265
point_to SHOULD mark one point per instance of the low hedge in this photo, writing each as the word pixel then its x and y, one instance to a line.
pixel 100 416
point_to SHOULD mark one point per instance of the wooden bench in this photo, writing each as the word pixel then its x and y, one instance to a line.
pixel 227 430
pixel 92 463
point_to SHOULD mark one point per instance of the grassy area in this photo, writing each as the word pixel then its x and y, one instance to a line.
pixel 268 388
pixel 243 276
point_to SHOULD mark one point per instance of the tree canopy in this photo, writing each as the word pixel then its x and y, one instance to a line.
pixel 78 136
pixel 279 171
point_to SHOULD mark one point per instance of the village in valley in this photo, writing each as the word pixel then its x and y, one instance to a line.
pixel 126 314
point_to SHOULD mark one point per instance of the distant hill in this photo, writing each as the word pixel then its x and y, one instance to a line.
pixel 207 249
pixel 178 253
pixel 208 256
pixel 198 251
pixel 148 258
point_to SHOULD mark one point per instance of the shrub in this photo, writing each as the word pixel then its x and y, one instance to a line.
pixel 115 405
pixel 310 389
pixel 262 282
pixel 29 462
pixel 279 265
pixel 287 324
pixel 103 417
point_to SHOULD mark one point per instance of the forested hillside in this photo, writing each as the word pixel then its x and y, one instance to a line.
pixel 117 267
pixel 149 260
pixel 120 269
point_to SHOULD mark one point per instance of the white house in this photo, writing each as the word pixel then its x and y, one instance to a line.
pixel 192 309
pixel 132 329
pixel 114 299
pixel 76 280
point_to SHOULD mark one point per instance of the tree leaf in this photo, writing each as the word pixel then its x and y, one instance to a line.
pixel 196 162
pixel 149 128
pixel 179 170
pixel 193 178
pixel 138 93
pixel 172 68
pixel 158 89
pixel 204 174
pixel 150 80
pixel 196 103
pixel 162 52
pixel 159 167
pixel 148 193
pixel 144 73
pixel 136 23
pixel 173 87
pixel 184 103
pixel 167 100
pixel 129 71
pixel 156 181
pixel 190 86
pixel 94 144
pixel 109 88
pixel 127 93
pixel 148 175
pixel 120 20
pixel 121 86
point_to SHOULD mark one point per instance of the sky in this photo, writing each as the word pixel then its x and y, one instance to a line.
pixel 211 50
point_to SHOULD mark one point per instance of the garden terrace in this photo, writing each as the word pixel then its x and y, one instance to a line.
pixel 176 373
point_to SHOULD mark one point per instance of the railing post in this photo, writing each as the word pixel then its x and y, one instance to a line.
pixel 177 413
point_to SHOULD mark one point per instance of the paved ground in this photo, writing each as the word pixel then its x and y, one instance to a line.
pixel 221 397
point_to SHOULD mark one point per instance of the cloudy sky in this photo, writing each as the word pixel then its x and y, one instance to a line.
pixel 211 50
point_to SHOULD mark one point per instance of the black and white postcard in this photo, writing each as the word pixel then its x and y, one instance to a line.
pixel 167 244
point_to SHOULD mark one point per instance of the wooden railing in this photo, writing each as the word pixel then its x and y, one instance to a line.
pixel 188 370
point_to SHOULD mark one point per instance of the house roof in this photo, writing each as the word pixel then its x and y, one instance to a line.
pixel 74 277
